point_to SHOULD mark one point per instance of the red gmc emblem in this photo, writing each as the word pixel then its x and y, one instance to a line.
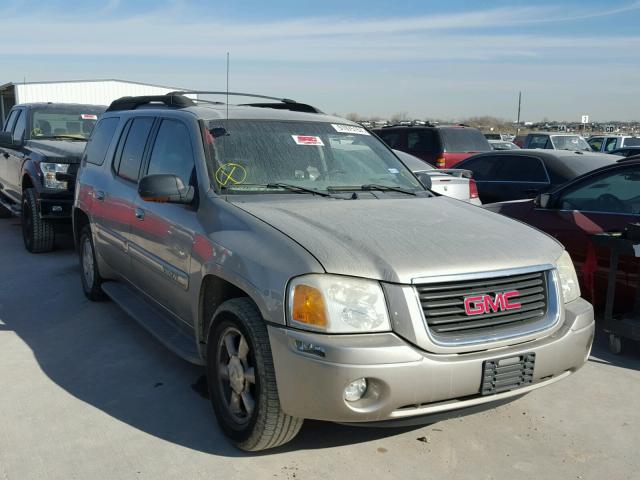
pixel 480 304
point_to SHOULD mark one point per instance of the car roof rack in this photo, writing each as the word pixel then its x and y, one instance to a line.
pixel 131 103
pixel 282 103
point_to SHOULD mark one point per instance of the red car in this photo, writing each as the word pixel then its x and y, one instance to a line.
pixel 604 200
pixel 440 146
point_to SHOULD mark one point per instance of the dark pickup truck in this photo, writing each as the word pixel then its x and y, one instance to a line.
pixel 40 147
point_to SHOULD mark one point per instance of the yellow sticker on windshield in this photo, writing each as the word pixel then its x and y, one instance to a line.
pixel 231 173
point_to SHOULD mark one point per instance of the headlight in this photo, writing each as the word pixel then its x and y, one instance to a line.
pixel 568 278
pixel 334 304
pixel 49 171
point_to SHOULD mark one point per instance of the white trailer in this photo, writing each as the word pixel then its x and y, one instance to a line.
pixel 95 92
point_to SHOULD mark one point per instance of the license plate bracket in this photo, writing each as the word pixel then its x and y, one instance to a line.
pixel 507 373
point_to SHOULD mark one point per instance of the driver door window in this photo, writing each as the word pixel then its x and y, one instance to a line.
pixel 172 152
pixel 611 144
pixel 614 193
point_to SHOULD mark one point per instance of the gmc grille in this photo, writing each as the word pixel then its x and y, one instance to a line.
pixel 444 310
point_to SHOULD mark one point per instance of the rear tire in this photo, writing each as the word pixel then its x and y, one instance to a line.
pixel 38 234
pixel 91 279
pixel 242 380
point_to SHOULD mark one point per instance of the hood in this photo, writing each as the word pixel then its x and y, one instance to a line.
pixel 66 151
pixel 398 240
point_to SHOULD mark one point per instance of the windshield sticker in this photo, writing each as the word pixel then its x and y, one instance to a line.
pixel 349 129
pixel 307 140
pixel 393 170
pixel 231 174
pixel 88 116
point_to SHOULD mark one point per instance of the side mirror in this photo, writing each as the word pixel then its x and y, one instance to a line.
pixel 165 188
pixel 6 140
pixel 425 179
pixel 542 200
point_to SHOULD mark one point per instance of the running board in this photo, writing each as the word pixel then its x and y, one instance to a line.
pixel 153 319
pixel 12 207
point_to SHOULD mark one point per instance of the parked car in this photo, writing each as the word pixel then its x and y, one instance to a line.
pixel 626 151
pixel 40 147
pixel 441 146
pixel 307 268
pixel 604 200
pixel 556 141
pixel 608 143
pixel 516 174
pixel 453 183
pixel 502 145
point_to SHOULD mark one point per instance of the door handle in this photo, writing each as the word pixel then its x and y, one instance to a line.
pixel 100 196
pixel 139 214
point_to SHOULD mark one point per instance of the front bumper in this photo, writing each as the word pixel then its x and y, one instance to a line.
pixel 404 381
pixel 56 206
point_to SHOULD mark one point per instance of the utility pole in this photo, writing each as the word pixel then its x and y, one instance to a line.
pixel 519 105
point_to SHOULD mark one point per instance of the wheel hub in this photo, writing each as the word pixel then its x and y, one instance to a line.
pixel 236 374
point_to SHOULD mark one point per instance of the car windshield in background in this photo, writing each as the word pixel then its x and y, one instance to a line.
pixel 67 123
pixel 256 155
pixel 570 142
pixel 464 140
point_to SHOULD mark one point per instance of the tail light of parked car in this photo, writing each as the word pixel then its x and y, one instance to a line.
pixel 441 162
pixel 473 189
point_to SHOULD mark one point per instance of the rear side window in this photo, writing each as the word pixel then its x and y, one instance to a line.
pixel 464 140
pixel 393 139
pixel 482 167
pixel 172 151
pixel 611 144
pixel 100 140
pixel 133 149
pixel 21 126
pixel 539 141
pixel 421 141
pixel 632 142
pixel 521 169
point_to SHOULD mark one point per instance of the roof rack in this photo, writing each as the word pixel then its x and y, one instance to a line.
pixel 131 103
pixel 283 103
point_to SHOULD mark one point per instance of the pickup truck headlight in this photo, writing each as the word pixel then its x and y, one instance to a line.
pixel 49 171
pixel 335 304
pixel 568 278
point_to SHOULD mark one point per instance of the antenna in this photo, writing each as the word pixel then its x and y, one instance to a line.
pixel 227 85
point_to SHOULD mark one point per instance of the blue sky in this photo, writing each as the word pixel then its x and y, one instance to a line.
pixel 432 59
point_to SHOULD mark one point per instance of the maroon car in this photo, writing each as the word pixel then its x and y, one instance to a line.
pixel 604 200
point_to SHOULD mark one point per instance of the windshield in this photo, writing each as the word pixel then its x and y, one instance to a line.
pixel 255 155
pixel 570 142
pixel 75 122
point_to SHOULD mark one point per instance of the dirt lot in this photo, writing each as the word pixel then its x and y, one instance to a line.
pixel 86 393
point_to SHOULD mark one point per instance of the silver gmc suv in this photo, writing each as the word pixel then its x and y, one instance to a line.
pixel 302 263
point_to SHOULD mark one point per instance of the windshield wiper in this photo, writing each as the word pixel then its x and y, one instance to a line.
pixel 297 188
pixel 372 186
pixel 68 137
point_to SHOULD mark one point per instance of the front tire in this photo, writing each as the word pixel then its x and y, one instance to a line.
pixel 38 234
pixel 91 279
pixel 242 380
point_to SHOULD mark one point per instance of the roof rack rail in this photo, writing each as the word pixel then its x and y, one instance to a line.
pixel 284 103
pixel 131 103
pixel 294 107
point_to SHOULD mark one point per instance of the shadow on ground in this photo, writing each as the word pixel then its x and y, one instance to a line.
pixel 102 357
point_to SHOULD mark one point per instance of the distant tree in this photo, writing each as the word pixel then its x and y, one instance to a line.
pixel 354 117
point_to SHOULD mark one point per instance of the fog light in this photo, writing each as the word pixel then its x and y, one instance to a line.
pixel 355 390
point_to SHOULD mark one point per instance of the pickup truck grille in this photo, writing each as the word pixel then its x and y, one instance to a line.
pixel 479 307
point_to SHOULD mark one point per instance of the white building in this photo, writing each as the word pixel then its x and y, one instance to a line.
pixel 94 92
